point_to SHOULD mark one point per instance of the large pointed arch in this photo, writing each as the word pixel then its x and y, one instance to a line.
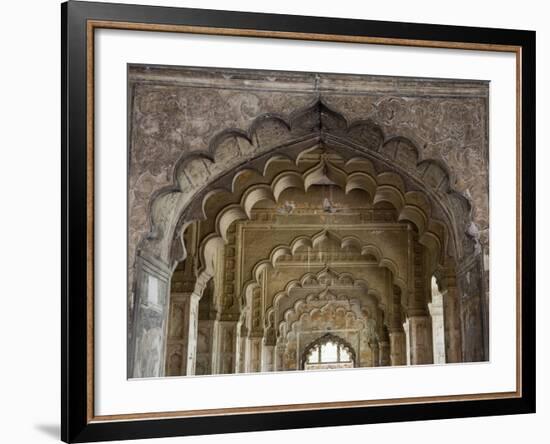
pixel 311 146
pixel 233 151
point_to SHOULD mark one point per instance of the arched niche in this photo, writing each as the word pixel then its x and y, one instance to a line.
pixel 313 318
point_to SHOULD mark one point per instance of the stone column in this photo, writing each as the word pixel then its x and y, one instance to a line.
pixel 420 321
pixel 406 328
pixel 226 346
pixel 384 348
pixel 384 354
pixel 147 344
pixel 268 352
pixel 182 338
pixel 178 327
pixel 206 347
pixel 421 341
pixel 375 353
pixel 484 240
pixel 436 312
pixel 254 352
pixel 398 351
pixel 240 363
pixel 451 320
pixel 279 356
pixel 191 323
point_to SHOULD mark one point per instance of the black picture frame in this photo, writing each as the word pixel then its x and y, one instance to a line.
pixel 76 423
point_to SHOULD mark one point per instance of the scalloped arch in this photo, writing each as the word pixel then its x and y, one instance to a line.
pixel 303 312
pixel 321 290
pixel 351 242
pixel 412 206
pixel 234 149
pixel 329 337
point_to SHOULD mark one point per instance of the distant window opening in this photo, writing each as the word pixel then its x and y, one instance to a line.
pixel 327 352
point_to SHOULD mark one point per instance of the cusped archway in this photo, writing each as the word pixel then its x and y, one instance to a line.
pixel 311 148
pixel 233 153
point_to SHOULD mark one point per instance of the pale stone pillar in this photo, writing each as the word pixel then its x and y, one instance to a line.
pixel 406 328
pixel 254 353
pixel 240 362
pixel 484 239
pixel 186 289
pixel 398 353
pixel 268 352
pixel 206 347
pixel 191 322
pixel 420 322
pixel 398 350
pixel 436 312
pixel 147 342
pixel 183 337
pixel 384 353
pixel 451 321
pixel 186 312
pixel 279 357
pixel 226 346
pixel 375 353
pixel 421 341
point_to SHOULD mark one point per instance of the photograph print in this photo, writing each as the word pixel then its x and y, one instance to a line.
pixel 299 221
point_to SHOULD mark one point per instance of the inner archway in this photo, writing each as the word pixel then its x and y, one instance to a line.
pixel 318 211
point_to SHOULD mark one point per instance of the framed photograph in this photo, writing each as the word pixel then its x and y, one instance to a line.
pixel 276 221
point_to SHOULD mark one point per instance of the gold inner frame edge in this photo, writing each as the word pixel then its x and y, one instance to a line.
pixel 92 25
